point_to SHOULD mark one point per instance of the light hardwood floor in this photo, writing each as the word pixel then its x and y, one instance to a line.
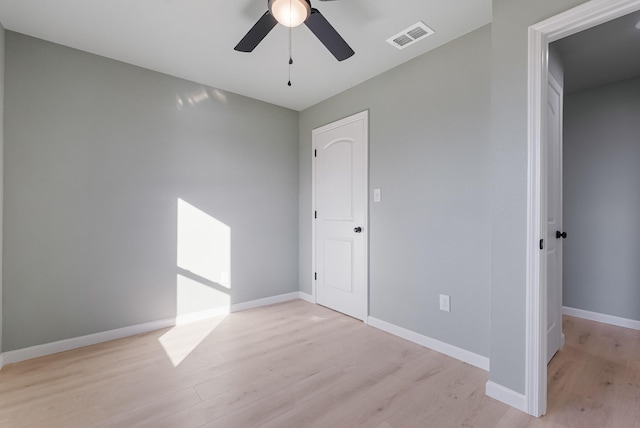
pixel 300 365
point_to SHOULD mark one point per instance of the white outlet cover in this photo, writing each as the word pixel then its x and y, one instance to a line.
pixel 445 303
pixel 376 195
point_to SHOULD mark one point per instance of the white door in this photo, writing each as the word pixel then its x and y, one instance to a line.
pixel 554 218
pixel 340 215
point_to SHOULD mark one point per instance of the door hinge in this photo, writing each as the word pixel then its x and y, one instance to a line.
pixel 315 276
pixel 315 214
pixel 542 244
pixel 315 153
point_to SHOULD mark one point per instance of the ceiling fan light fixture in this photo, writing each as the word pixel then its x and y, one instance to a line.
pixel 290 13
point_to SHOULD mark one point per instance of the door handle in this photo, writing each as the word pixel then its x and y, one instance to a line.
pixel 357 229
pixel 562 235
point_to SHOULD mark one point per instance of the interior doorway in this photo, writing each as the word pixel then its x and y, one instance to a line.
pixel 573 21
pixel 600 69
pixel 340 214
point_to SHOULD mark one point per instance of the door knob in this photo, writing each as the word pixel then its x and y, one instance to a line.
pixel 357 229
pixel 562 235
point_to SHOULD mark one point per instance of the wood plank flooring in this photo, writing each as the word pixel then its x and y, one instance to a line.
pixel 301 365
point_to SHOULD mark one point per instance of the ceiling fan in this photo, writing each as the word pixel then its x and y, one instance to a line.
pixel 292 13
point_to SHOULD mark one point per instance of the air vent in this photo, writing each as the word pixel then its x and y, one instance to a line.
pixel 402 40
pixel 411 35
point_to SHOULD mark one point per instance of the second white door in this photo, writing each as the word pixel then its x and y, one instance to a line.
pixel 554 218
pixel 340 215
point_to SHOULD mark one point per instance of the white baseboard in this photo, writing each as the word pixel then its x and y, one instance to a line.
pixel 506 395
pixel 444 348
pixel 105 336
pixel 306 297
pixel 264 302
pixel 79 342
pixel 603 318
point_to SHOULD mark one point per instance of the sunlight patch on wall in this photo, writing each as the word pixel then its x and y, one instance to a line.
pixel 204 245
pixel 192 99
pixel 194 296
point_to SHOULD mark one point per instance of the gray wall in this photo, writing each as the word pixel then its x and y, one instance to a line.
pixel 602 201
pixel 97 155
pixel 1 165
pixel 511 20
pixel 429 153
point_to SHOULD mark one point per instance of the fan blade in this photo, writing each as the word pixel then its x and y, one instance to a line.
pixel 258 32
pixel 328 35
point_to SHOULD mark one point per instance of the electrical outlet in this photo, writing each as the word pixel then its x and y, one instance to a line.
pixel 445 303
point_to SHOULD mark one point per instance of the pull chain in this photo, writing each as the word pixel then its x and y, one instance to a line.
pixel 290 58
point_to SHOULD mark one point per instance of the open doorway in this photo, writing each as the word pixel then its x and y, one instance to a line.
pixel 601 145
pixel 541 35
pixel 598 274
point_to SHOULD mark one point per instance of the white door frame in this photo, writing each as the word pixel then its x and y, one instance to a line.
pixel 587 15
pixel 353 118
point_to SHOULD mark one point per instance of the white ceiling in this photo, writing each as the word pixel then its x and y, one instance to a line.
pixel 194 39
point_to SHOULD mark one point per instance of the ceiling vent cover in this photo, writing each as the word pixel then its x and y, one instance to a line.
pixel 411 35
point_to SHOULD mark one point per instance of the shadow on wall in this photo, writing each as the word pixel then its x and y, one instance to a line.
pixel 203 281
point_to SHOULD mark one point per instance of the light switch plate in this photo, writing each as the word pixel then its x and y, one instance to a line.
pixel 376 195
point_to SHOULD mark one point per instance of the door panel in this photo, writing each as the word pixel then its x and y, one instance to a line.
pixel 554 217
pixel 338 260
pixel 340 205
pixel 336 174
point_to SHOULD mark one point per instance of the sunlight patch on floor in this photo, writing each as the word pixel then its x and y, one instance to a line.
pixel 183 339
